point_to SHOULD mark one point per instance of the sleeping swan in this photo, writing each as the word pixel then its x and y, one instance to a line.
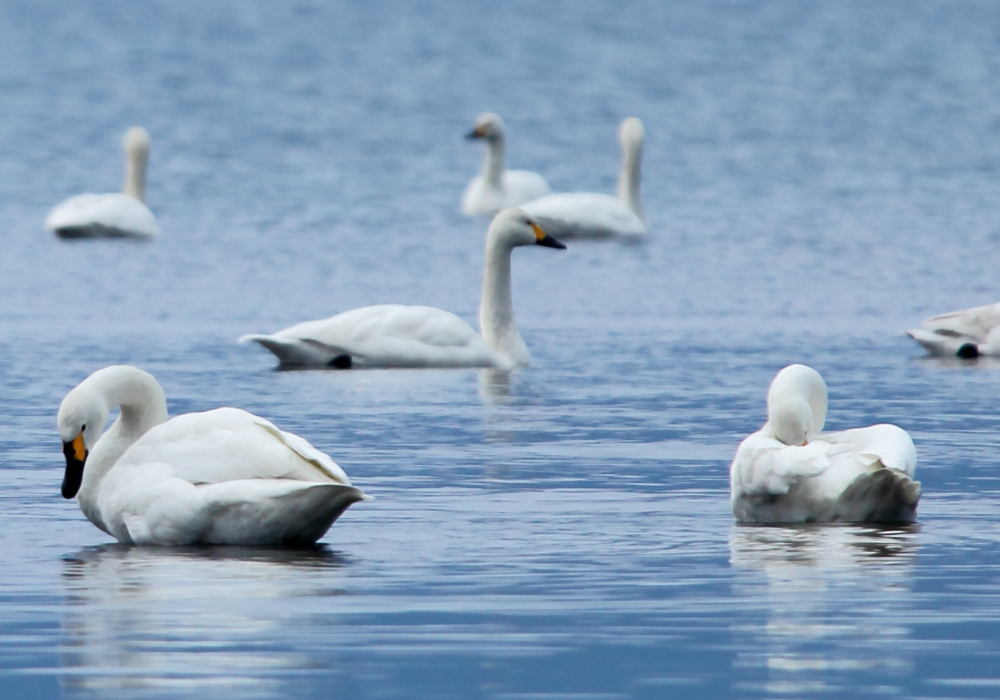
pixel 791 472
pixel 967 334
pixel 497 189
pixel 592 215
pixel 220 477
pixel 111 215
pixel 420 336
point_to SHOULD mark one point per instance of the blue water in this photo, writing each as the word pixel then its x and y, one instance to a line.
pixel 817 177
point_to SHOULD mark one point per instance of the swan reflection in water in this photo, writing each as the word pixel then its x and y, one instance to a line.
pixel 835 600
pixel 165 620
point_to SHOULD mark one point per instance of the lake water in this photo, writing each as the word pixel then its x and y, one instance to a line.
pixel 817 177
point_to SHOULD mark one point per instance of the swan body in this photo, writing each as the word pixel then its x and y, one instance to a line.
pixel 592 215
pixel 496 188
pixel 791 472
pixel 224 476
pixel 421 336
pixel 968 333
pixel 115 215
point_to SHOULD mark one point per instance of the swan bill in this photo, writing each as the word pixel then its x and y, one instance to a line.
pixel 477 133
pixel 546 240
pixel 76 457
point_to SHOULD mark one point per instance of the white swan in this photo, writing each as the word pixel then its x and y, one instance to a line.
pixel 112 215
pixel 791 472
pixel 591 215
pixel 223 476
pixel 421 336
pixel 968 333
pixel 498 189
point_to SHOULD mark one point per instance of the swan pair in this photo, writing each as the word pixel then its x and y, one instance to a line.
pixel 790 471
pixel 967 334
pixel 220 477
pixel 421 336
pixel 115 215
pixel 564 215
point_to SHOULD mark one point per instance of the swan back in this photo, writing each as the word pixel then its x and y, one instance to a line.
pixel 797 404
pixel 631 134
pixel 136 146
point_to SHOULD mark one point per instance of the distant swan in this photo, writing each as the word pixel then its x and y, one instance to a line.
pixel 498 189
pixel 220 477
pixel 111 215
pixel 968 333
pixel 422 336
pixel 591 215
pixel 791 472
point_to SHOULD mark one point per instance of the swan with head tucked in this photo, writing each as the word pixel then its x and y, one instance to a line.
pixel 592 215
pixel 968 333
pixel 115 215
pixel 791 472
pixel 220 477
pixel 394 335
pixel 498 189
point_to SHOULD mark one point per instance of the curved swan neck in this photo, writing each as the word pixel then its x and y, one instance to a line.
pixel 629 189
pixel 136 162
pixel 493 163
pixel 496 309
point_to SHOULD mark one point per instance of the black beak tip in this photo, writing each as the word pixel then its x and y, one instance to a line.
pixel 472 135
pixel 550 242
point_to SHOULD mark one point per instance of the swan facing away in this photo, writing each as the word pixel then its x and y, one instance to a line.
pixel 498 189
pixel 394 335
pixel 115 215
pixel 591 215
pixel 220 477
pixel 969 333
pixel 790 471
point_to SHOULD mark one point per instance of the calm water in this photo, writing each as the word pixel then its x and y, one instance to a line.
pixel 817 177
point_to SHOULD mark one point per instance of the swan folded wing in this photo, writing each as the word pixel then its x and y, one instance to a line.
pixel 522 186
pixel 228 444
pixel 883 445
pixel 766 466
pixel 585 215
pixel 114 211
pixel 973 323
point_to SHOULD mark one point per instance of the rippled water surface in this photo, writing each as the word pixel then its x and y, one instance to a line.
pixel 817 177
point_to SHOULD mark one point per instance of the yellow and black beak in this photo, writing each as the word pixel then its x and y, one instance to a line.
pixel 76 457
pixel 548 241
pixel 477 133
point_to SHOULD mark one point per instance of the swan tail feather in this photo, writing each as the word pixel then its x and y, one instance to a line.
pixel 882 496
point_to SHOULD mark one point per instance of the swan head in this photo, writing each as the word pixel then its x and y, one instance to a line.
pixel 137 141
pixel 514 227
pixel 796 405
pixel 489 126
pixel 631 132
pixel 82 416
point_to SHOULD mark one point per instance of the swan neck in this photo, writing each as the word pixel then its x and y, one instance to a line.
pixel 629 189
pixel 136 160
pixel 493 163
pixel 496 310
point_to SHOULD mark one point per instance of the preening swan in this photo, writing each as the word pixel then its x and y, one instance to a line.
pixel 592 215
pixel 497 189
pixel 111 215
pixel 968 333
pixel 220 477
pixel 790 471
pixel 421 336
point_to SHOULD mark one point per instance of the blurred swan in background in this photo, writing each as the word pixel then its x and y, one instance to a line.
pixel 112 215
pixel 393 335
pixel 968 333
pixel 220 477
pixel 592 215
pixel 498 189
pixel 791 472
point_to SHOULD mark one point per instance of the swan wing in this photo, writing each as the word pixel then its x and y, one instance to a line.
pixel 585 215
pixel 766 466
pixel 883 445
pixel 975 324
pixel 523 186
pixel 115 214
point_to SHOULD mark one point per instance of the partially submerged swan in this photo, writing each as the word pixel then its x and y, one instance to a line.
pixel 592 215
pixel 220 477
pixel 498 189
pixel 791 472
pixel 115 215
pixel 393 335
pixel 968 333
